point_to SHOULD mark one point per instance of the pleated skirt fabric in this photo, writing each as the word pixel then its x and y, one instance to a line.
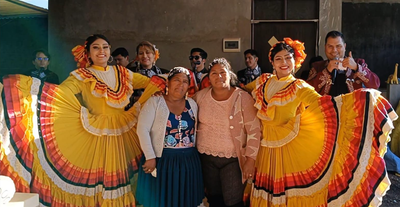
pixel 48 146
pixel 179 181
pixel 336 159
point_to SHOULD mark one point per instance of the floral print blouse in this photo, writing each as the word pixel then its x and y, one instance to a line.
pixel 180 129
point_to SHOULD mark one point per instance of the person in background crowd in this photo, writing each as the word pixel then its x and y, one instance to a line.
pixel 252 70
pixel 41 61
pixel 121 57
pixel 146 54
pixel 340 74
pixel 198 58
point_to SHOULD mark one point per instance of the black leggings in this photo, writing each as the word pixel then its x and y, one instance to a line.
pixel 223 180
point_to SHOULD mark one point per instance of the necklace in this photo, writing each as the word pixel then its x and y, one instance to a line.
pixel 180 128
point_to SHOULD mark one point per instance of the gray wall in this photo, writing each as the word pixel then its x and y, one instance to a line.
pixel 174 26
pixel 330 18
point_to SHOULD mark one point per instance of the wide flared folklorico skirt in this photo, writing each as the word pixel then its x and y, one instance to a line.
pixel 48 150
pixel 335 159
pixel 179 181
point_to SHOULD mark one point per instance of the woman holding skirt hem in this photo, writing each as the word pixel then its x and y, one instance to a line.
pixel 317 151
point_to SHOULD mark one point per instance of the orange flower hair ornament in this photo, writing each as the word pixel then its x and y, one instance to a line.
pixel 156 53
pixel 80 56
pixel 298 47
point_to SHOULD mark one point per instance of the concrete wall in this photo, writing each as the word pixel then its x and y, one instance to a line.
pixel 330 18
pixel 174 26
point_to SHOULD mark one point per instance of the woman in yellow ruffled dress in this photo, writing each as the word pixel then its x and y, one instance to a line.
pixel 317 151
pixel 74 144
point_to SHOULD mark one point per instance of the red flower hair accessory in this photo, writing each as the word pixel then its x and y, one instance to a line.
pixel 298 48
pixel 80 56
pixel 156 53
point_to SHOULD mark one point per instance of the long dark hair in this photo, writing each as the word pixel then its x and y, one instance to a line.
pixel 279 47
pixel 93 38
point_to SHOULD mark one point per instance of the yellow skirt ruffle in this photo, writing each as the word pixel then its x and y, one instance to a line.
pixel 335 158
pixel 58 149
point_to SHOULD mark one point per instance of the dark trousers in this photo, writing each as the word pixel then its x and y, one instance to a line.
pixel 223 181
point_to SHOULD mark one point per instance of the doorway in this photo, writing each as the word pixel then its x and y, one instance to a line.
pixel 290 18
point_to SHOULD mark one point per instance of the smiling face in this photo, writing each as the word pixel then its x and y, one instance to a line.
pixel 146 56
pixel 196 57
pixel 283 63
pixel 99 52
pixel 335 48
pixel 178 85
pixel 219 76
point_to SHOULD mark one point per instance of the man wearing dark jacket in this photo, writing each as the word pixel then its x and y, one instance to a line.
pixel 41 61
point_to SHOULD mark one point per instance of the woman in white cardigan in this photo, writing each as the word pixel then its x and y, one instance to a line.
pixel 170 175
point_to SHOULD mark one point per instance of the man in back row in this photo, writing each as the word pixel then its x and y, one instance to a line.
pixel 340 74
pixel 121 57
pixel 198 58
pixel 41 61
pixel 252 71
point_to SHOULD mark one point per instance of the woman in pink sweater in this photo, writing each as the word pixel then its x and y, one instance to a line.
pixel 228 136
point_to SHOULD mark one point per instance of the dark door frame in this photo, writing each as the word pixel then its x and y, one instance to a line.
pixel 285 20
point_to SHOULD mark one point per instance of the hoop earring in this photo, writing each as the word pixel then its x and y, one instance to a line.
pixel 166 90
pixel 112 59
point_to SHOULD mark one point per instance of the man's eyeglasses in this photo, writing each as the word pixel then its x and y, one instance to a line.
pixel 42 58
pixel 197 57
